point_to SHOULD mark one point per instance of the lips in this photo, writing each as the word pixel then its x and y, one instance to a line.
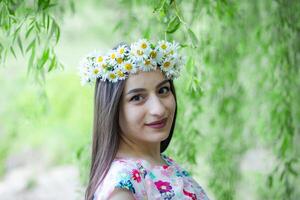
pixel 158 124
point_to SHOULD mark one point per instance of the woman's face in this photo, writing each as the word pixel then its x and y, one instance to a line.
pixel 147 107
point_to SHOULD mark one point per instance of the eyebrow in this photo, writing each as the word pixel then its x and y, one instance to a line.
pixel 143 89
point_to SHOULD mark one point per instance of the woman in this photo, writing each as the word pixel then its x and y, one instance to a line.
pixel 134 119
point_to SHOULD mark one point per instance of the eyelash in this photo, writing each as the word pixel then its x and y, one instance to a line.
pixel 166 87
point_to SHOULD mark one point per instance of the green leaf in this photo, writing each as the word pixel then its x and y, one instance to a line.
pixel 31 45
pixel 16 33
pixel 43 59
pixel 270 181
pixel 31 59
pixel 47 23
pixel 193 38
pixel 43 4
pixel 57 34
pixel 13 52
pixel 52 64
pixel 20 45
pixel 28 31
pixel 160 5
pixel 173 25
pixel 72 6
pixel 55 30
pixel 284 145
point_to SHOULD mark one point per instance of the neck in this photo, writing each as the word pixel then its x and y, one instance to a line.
pixel 148 151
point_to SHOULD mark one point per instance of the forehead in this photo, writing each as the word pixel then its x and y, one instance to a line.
pixel 144 80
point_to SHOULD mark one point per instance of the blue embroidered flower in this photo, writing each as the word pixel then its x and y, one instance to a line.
pixel 168 160
pixel 126 184
pixel 185 173
pixel 182 173
pixel 168 195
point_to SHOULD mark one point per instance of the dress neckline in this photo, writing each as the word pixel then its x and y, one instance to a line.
pixel 167 161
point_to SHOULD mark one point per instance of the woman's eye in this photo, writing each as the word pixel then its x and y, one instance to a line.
pixel 164 90
pixel 136 98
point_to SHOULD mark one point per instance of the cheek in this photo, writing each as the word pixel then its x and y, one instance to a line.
pixel 171 104
pixel 132 115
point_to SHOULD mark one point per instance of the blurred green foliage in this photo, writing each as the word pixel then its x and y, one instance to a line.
pixel 31 27
pixel 240 90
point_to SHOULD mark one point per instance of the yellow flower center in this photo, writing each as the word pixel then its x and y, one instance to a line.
pixel 139 52
pixel 167 64
pixel 104 65
pixel 153 54
pixel 96 71
pixel 147 62
pixel 120 73
pixel 112 76
pixel 144 45
pixel 128 66
pixel 113 56
pixel 100 59
pixel 119 60
pixel 163 46
pixel 121 51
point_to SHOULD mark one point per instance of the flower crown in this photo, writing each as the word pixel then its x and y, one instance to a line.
pixel 125 60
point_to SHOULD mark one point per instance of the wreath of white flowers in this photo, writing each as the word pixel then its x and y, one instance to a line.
pixel 124 60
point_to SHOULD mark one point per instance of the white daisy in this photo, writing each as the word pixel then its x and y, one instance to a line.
pixel 144 45
pixel 119 60
pixel 112 76
pixel 120 74
pixel 164 46
pixel 96 72
pixel 111 57
pixel 139 50
pixel 167 64
pixel 147 65
pixel 156 55
pixel 171 74
pixel 122 51
pixel 173 49
pixel 129 67
pixel 84 69
pixel 99 59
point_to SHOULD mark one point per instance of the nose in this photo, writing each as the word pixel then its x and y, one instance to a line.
pixel 156 107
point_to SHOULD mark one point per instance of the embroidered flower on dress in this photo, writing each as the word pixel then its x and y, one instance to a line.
pixel 143 171
pixel 126 184
pixel 136 175
pixel 163 186
pixel 165 189
pixel 182 173
pixel 189 194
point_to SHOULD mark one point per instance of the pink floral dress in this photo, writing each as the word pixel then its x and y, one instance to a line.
pixel 160 182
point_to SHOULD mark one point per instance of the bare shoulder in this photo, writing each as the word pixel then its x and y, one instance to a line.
pixel 121 194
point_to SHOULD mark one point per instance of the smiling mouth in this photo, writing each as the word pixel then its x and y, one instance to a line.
pixel 158 124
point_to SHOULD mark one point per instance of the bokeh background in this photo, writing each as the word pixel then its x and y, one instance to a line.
pixel 238 96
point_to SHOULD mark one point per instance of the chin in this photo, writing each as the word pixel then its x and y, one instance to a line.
pixel 158 136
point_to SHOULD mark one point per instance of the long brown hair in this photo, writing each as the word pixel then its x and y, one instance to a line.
pixel 106 131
